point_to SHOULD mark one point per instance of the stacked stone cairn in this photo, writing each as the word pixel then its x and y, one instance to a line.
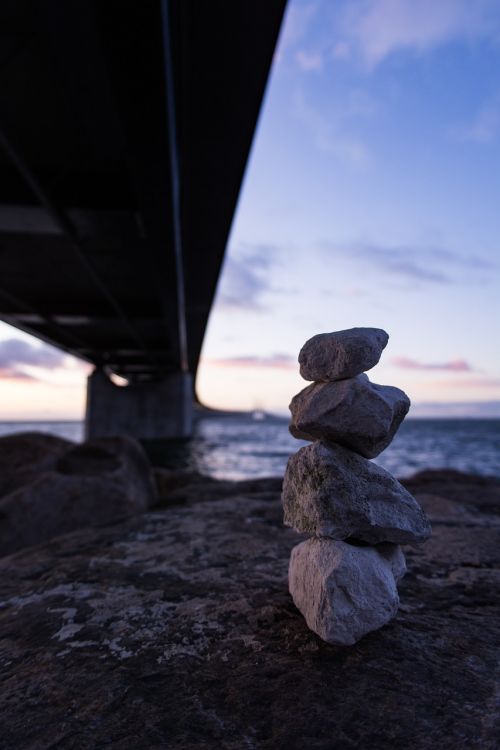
pixel 343 579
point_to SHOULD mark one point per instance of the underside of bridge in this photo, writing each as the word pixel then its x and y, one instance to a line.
pixel 125 129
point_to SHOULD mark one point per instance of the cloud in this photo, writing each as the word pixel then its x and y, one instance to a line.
pixel 296 26
pixel 414 263
pixel 458 365
pixel 328 131
pixel 474 382
pixel 377 29
pixel 341 51
pixel 273 361
pixel 12 373
pixel 298 19
pixel 245 279
pixel 486 126
pixel 16 354
pixel 309 61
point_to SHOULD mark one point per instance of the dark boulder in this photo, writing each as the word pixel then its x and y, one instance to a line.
pixel 97 482
pixel 26 455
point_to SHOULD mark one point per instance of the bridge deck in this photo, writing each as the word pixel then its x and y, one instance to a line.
pixel 88 174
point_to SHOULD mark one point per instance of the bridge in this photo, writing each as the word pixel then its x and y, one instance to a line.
pixel 125 129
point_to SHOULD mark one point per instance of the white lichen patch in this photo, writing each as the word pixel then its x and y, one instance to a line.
pixel 117 649
pixel 69 628
pixel 71 590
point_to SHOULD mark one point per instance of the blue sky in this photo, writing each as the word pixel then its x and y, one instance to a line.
pixel 371 198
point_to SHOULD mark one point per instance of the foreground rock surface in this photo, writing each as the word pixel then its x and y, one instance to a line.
pixel 341 354
pixel 84 485
pixel 331 491
pixel 344 591
pixel 175 629
pixel 354 412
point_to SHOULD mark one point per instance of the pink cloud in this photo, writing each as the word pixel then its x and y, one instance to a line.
pixel 277 361
pixel 466 383
pixel 11 373
pixel 456 365
pixel 21 360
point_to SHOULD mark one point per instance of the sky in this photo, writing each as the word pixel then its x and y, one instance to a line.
pixel 370 199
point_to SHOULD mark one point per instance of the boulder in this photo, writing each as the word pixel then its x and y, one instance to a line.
pixel 93 483
pixel 26 455
pixel 344 591
pixel 341 354
pixel 331 491
pixel 353 412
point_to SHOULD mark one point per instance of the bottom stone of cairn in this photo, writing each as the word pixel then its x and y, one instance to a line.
pixel 345 591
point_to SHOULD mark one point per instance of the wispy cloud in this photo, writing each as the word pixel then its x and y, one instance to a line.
pixel 245 278
pixel 12 373
pixel 297 22
pixel 376 29
pixel 485 127
pixel 329 131
pixel 16 355
pixel 309 60
pixel 467 383
pixel 341 51
pixel 457 365
pixel 414 263
pixel 273 361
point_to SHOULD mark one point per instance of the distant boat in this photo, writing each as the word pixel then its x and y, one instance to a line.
pixel 258 415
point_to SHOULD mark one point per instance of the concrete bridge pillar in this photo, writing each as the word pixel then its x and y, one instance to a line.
pixel 151 410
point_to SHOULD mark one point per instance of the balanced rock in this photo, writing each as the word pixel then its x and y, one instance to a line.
pixel 353 412
pixel 342 354
pixel 344 591
pixel 330 491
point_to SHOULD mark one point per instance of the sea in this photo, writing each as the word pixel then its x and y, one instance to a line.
pixel 245 446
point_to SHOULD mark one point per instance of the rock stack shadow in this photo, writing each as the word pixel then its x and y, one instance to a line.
pixel 343 579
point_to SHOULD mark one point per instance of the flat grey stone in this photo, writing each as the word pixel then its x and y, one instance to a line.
pixel 331 491
pixel 343 591
pixel 341 354
pixel 353 412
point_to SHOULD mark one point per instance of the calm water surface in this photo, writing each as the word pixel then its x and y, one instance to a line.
pixel 240 447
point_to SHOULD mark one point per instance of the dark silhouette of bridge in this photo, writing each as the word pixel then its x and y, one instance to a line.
pixel 125 128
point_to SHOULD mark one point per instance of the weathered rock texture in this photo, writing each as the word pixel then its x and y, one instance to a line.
pixel 96 482
pixel 331 491
pixel 342 354
pixel 353 412
pixel 344 591
pixel 175 629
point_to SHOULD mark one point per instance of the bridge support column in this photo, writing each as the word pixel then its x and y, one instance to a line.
pixel 151 410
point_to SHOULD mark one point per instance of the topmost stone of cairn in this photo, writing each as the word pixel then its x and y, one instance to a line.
pixel 342 354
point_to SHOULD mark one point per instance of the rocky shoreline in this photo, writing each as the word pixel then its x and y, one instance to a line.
pixel 174 628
